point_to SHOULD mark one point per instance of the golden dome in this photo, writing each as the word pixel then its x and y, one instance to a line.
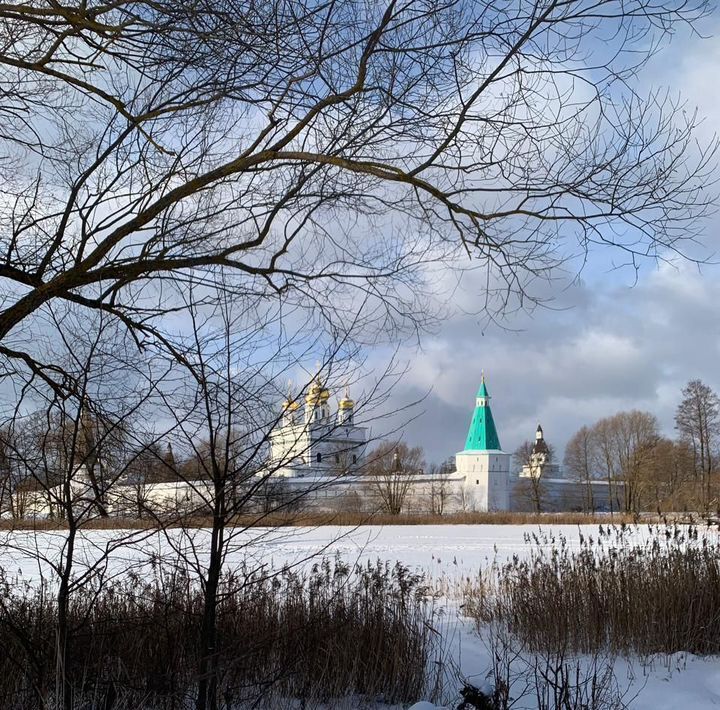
pixel 346 402
pixel 317 394
pixel 291 405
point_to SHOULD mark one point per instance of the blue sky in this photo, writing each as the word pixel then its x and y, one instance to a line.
pixel 610 341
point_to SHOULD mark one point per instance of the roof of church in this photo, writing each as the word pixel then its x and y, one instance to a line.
pixel 482 435
pixel 483 392
pixel 540 447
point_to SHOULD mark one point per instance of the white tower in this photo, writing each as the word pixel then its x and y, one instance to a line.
pixel 484 464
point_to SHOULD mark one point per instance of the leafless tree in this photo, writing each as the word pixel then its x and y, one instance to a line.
pixel 698 422
pixel 580 462
pixel 440 490
pixel 163 160
pixel 68 454
pixel 531 486
pixel 621 449
pixel 289 151
pixel 669 483
pixel 636 436
pixel 225 413
pixel 390 468
pixel 608 464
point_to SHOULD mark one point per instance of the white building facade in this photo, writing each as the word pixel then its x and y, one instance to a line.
pixel 317 457
pixel 311 441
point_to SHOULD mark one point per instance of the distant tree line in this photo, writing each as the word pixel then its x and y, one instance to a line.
pixel 656 472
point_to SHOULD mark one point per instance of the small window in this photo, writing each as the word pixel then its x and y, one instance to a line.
pixel 318 458
pixel 354 458
pixel 337 458
pixel 477 483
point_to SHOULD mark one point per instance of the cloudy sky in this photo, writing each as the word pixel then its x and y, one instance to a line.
pixel 608 342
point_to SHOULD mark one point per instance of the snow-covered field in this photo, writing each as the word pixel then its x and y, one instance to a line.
pixel 449 551
pixel 443 552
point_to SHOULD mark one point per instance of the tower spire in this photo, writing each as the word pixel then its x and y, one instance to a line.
pixel 482 435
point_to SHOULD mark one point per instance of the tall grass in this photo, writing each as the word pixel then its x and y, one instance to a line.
pixel 335 632
pixel 613 593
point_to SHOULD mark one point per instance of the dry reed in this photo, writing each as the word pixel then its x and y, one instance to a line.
pixel 659 595
pixel 319 518
pixel 336 632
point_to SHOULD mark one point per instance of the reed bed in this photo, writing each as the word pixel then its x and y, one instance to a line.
pixel 614 593
pixel 335 632
pixel 320 518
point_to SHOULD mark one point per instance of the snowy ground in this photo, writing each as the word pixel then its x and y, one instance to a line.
pixel 445 553
pixel 440 551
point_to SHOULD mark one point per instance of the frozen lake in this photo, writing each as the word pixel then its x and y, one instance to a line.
pixel 440 551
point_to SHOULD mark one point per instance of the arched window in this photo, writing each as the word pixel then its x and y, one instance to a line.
pixel 318 458
pixel 354 458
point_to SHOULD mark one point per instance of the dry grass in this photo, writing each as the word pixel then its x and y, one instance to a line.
pixel 337 632
pixel 317 519
pixel 613 594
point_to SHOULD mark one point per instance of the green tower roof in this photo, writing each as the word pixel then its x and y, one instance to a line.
pixel 482 435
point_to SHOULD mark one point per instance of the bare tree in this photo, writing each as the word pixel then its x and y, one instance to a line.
pixel 225 415
pixel 391 468
pixel 698 422
pixel 532 465
pixel 307 160
pixel 637 438
pixel 440 489
pixel 314 154
pixel 580 462
pixel 621 449
pixel 669 483
pixel 68 455
pixel 608 464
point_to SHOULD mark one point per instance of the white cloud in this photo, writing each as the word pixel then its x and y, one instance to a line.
pixel 618 349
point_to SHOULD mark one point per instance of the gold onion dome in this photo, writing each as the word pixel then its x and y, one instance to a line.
pixel 317 393
pixel 290 404
pixel 346 402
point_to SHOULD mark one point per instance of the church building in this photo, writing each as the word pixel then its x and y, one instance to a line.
pixel 312 441
pixel 540 464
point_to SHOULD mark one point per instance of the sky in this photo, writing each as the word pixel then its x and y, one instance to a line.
pixel 612 341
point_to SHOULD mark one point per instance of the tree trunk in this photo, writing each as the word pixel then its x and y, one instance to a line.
pixel 208 666
pixel 63 688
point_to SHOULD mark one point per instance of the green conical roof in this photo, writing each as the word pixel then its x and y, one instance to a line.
pixel 482 435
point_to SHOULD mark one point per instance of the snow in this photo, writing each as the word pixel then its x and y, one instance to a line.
pixel 445 553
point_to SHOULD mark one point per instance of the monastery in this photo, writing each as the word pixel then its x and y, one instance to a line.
pixel 318 458
pixel 324 455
